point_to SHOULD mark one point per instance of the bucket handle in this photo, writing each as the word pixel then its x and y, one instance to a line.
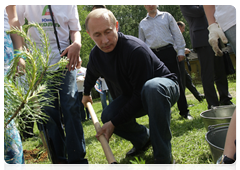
pixel 211 127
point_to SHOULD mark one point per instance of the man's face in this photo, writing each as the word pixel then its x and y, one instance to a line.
pixel 182 28
pixel 103 32
pixel 151 8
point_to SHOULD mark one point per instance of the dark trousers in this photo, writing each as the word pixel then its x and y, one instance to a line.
pixel 169 57
pixel 187 81
pixel 73 143
pixel 82 109
pixel 212 70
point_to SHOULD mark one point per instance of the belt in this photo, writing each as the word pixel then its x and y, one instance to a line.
pixel 162 48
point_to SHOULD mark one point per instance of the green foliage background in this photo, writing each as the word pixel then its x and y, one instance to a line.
pixel 129 17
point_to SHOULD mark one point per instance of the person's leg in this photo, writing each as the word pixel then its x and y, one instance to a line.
pixel 182 72
pixel 169 58
pixel 206 59
pixel 75 142
pixel 13 150
pixel 192 88
pixel 54 127
pixel 221 81
pixel 158 96
pixel 88 114
pixel 110 99
pixel 103 99
pixel 81 107
pixel 231 36
pixel 137 134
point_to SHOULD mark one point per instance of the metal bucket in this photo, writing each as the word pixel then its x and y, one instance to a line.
pixel 217 115
pixel 215 138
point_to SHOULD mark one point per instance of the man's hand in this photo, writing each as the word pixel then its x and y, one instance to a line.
pixel 187 51
pixel 106 130
pixel 73 53
pixel 181 58
pixel 215 32
pixel 86 99
pixel 21 67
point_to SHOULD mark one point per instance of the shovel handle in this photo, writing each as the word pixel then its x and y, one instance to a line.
pixel 106 148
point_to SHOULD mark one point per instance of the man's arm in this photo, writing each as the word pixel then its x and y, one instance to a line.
pixel 73 50
pixel 16 39
pixel 141 33
pixel 215 32
pixel 209 12
pixel 13 22
pixel 178 38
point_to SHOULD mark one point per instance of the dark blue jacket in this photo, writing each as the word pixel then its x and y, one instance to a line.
pixel 125 69
pixel 197 21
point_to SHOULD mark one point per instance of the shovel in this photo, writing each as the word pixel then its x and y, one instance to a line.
pixel 106 148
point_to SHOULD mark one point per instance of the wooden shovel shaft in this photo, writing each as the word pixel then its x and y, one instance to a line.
pixel 106 148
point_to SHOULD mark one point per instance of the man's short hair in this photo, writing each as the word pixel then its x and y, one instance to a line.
pixel 180 23
pixel 97 13
pixel 98 6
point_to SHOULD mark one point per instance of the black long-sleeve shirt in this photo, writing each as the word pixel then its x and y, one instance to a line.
pixel 125 69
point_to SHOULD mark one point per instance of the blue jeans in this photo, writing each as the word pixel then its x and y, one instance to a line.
pixel 104 99
pixel 74 142
pixel 158 96
pixel 82 111
pixel 231 36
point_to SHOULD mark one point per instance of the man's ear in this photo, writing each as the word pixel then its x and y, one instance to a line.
pixel 117 26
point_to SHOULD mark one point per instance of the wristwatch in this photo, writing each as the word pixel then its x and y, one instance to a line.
pixel 226 160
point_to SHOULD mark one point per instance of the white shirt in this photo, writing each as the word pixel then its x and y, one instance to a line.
pixel 81 73
pixel 65 16
pixel 160 31
pixel 104 84
pixel 225 16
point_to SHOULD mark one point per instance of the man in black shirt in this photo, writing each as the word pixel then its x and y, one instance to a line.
pixel 139 83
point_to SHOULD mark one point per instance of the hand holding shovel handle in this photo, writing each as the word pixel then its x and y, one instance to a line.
pixel 107 150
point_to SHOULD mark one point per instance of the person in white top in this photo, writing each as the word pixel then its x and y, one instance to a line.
pixel 222 25
pixel 66 22
pixel 104 92
pixel 81 72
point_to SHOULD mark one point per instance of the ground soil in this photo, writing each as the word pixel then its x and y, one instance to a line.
pixel 35 155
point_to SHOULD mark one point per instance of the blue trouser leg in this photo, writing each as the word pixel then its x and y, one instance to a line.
pixel 158 96
pixel 169 58
pixel 75 142
pixel 103 99
pixel 81 106
pixel 131 130
pixel 110 99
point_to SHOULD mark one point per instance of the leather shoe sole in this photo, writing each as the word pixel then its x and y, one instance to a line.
pixel 134 151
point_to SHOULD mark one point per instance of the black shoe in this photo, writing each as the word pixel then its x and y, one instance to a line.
pixel 201 97
pixel 171 166
pixel 172 161
pixel 188 116
pixel 134 151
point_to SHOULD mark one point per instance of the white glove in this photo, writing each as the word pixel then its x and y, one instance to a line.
pixel 215 32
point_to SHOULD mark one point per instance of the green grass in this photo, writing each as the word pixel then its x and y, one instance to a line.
pixel 188 137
